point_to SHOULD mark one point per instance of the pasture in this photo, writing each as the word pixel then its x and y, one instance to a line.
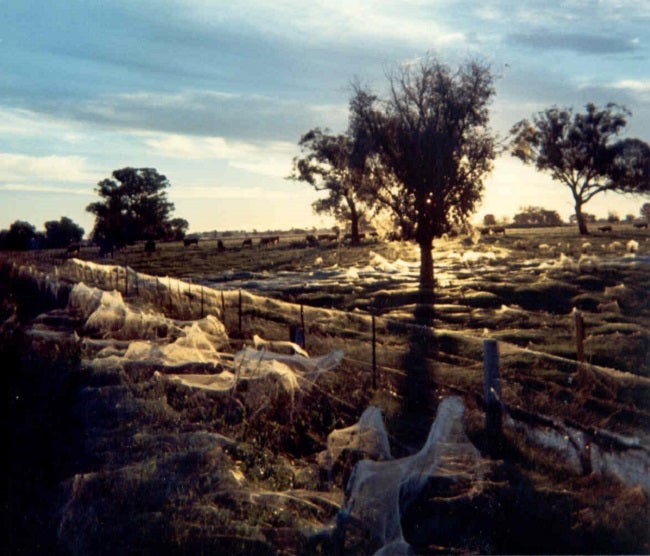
pixel 521 289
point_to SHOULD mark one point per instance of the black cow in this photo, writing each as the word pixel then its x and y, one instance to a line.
pixel 604 228
pixel 73 249
pixel 312 240
pixel 220 246
pixel 498 230
pixel 150 246
pixel 641 225
pixel 269 240
pixel 248 242
pixel 191 241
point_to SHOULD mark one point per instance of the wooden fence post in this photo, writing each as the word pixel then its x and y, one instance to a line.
pixel 240 313
pixel 302 326
pixel 580 345
pixel 493 417
pixel 374 352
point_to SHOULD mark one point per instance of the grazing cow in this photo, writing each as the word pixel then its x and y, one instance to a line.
pixel 106 247
pixel 641 225
pixel 269 240
pixel 604 228
pixel 220 246
pixel 485 231
pixel 498 230
pixel 73 249
pixel 248 242
pixel 191 241
pixel 328 237
pixel 150 246
pixel 312 241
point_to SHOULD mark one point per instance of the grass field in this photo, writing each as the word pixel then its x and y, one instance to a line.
pixel 521 289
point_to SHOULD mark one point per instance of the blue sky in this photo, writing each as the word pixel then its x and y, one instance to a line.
pixel 216 94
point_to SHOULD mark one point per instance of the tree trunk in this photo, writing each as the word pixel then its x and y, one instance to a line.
pixel 424 311
pixel 354 220
pixel 582 222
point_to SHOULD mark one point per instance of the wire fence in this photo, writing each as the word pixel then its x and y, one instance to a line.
pixel 243 313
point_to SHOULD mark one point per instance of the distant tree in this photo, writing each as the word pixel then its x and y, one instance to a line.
pixel 18 237
pixel 431 134
pixel 537 216
pixel 327 165
pixel 579 151
pixel 489 220
pixel 177 228
pixel 134 207
pixel 62 233
pixel 613 217
pixel 629 218
pixel 645 211
pixel 588 217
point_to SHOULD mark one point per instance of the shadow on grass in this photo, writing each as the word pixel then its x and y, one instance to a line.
pixel 417 387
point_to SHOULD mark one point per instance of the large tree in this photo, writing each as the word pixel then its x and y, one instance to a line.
pixel 19 236
pixel 327 165
pixel 134 207
pixel 62 232
pixel 581 151
pixel 432 135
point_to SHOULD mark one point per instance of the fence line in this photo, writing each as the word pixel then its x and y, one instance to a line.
pixel 310 318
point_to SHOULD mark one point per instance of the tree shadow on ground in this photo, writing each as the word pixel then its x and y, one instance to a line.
pixel 417 387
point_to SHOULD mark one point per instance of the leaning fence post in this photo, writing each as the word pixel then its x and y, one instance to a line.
pixel 580 345
pixel 493 417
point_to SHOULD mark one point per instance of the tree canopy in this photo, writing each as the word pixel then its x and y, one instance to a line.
pixel 431 135
pixel 327 165
pixel 134 207
pixel 579 150
pixel 62 232
pixel 19 236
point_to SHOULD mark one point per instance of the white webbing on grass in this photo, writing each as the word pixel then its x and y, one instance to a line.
pixel 367 436
pixel 379 493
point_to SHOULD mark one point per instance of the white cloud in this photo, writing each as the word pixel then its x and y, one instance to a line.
pixel 272 158
pixel 58 168
pixel 637 86
pixel 26 187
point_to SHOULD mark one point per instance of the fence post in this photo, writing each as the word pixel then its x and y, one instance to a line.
pixel 580 345
pixel 169 289
pixel 302 326
pixel 201 301
pixel 137 285
pixel 223 309
pixel 493 417
pixel 126 280
pixel 374 353
pixel 239 313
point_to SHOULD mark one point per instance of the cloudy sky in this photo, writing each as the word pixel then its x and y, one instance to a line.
pixel 215 94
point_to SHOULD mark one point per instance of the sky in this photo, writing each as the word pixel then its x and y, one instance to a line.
pixel 216 94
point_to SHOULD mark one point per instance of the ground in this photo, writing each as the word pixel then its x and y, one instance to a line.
pixel 521 289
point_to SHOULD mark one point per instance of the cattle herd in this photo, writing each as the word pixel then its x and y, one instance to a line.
pixel 107 247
